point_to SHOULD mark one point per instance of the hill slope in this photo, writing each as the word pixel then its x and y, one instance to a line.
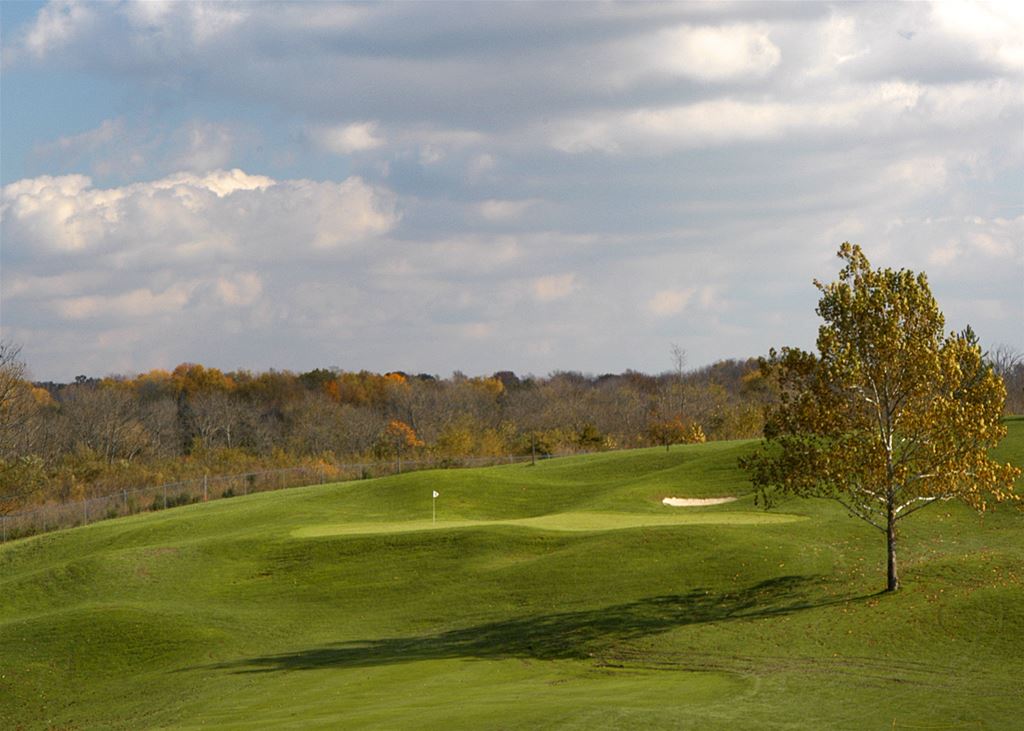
pixel 562 595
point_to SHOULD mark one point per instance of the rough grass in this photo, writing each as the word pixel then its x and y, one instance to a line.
pixel 557 596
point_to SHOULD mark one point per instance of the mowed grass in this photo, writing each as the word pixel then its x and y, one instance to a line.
pixel 563 595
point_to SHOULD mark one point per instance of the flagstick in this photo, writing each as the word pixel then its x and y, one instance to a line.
pixel 433 511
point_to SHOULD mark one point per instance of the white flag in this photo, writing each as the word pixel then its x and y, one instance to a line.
pixel 436 493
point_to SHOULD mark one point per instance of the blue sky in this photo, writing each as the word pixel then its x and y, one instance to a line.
pixel 484 186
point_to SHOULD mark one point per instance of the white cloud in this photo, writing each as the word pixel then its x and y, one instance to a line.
pixel 211 21
pixel 84 142
pixel 219 182
pixel 737 144
pixel 705 53
pixel 64 284
pixel 651 130
pixel 868 110
pixel 919 174
pixel 554 287
pixel 477 330
pixel 504 210
pixel 56 25
pixel 241 290
pixel 184 216
pixel 206 146
pixel 480 166
pixel 467 255
pixel 137 303
pixel 669 302
pixel 995 29
pixel 666 303
pixel 346 139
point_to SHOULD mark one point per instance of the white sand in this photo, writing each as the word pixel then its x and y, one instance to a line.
pixel 693 502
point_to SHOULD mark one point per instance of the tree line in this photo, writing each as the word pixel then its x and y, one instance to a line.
pixel 61 441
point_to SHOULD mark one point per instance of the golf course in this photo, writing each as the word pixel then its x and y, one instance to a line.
pixel 558 595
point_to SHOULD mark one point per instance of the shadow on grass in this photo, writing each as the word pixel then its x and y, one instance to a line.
pixel 559 636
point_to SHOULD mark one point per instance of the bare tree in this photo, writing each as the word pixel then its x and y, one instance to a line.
pixel 106 419
pixel 12 375
pixel 1008 364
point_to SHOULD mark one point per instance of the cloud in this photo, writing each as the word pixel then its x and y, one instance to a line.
pixel 477 330
pixel 84 142
pixel 64 284
pixel 995 29
pixel 504 210
pixel 704 53
pixel 240 290
pixel 135 304
pixel 669 302
pixel 56 25
pixel 224 213
pixel 466 256
pixel 694 165
pixel 126 148
pixel 346 139
pixel 205 146
pixel 554 287
pixel 727 121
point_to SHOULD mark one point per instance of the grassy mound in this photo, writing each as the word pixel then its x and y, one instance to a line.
pixel 562 595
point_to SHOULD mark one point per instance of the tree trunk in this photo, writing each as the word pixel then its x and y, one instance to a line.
pixel 892 578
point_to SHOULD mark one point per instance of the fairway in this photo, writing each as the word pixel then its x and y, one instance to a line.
pixel 562 595
pixel 573 522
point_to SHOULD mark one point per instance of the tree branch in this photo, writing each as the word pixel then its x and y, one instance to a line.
pixel 859 514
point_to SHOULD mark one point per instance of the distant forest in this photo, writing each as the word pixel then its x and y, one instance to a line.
pixel 68 441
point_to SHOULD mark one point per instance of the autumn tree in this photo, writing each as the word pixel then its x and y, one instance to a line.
pixel 892 414
pixel 667 432
pixel 15 401
pixel 398 438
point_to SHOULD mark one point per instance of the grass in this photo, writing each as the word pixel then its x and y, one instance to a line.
pixel 558 596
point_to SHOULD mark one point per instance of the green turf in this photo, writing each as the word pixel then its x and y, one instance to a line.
pixel 563 595
pixel 572 522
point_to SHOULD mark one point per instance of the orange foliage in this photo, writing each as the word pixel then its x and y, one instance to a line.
pixel 195 378
pixel 365 388
pixel 401 436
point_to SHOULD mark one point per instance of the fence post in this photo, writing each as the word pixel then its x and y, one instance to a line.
pixel 3 520
pixel 85 510
pixel 206 487
pixel 165 497
pixel 124 499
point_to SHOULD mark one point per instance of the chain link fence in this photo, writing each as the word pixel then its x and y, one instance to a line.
pixel 55 516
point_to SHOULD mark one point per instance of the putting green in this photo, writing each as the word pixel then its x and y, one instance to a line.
pixel 571 522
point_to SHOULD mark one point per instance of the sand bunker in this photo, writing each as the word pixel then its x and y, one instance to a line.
pixel 694 502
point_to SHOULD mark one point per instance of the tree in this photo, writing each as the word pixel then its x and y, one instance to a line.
pixel 15 404
pixel 397 438
pixel 667 432
pixel 892 414
pixel 107 419
pixel 1008 363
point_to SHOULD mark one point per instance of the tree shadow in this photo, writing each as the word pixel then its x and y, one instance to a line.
pixel 559 636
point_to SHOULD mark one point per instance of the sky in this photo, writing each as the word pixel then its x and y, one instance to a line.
pixel 432 187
